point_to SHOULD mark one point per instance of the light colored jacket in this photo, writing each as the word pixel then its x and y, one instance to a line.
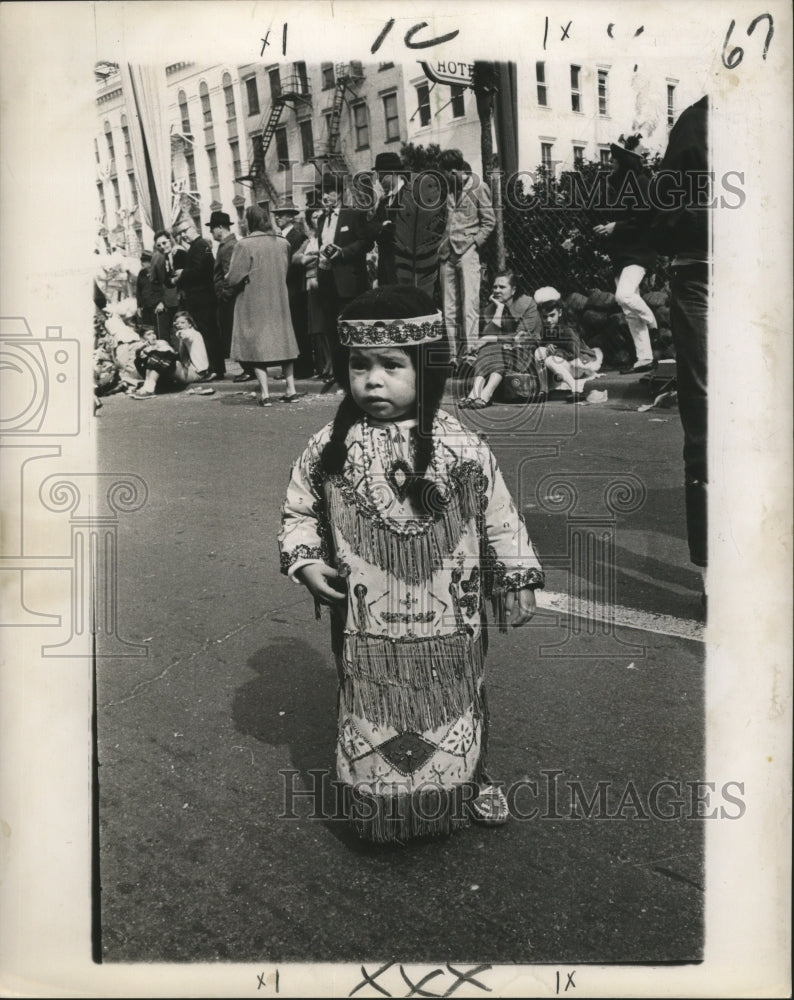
pixel 470 219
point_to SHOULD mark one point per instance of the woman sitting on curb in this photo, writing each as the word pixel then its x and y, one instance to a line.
pixel 561 350
pixel 511 331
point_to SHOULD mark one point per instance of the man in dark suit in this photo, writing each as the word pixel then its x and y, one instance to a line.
pixel 162 282
pixel 342 267
pixel 195 279
pixel 285 215
pixel 407 224
pixel 220 226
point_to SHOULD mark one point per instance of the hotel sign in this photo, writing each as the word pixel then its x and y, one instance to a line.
pixel 449 72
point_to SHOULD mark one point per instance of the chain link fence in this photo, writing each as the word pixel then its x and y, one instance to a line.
pixel 548 223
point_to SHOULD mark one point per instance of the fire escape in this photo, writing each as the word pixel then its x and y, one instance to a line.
pixel 330 157
pixel 292 92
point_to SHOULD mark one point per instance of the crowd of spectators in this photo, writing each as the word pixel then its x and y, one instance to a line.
pixel 269 298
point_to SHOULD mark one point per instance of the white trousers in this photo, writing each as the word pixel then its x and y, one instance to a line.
pixel 638 313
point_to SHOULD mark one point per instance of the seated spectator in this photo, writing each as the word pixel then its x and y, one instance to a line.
pixel 106 375
pixel 121 343
pixel 562 351
pixel 194 365
pixel 158 363
pixel 510 333
pixel 155 360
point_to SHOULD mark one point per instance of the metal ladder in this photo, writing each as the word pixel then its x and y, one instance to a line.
pixel 293 92
pixel 347 76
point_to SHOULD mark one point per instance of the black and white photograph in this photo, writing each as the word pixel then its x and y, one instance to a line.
pixel 396 490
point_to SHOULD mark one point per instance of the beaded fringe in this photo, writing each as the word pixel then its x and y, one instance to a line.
pixel 429 812
pixel 410 556
pixel 412 685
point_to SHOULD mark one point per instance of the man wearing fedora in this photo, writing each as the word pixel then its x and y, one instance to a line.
pixel 220 226
pixel 391 177
pixel 629 244
pixel 285 214
pixel 407 224
pixel 344 241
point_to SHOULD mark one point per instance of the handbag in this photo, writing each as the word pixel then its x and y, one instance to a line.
pixel 519 387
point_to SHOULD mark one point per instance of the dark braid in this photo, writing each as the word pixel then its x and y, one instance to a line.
pixel 431 362
pixel 335 452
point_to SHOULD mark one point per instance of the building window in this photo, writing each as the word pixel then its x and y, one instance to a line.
pixel 391 116
pixel 258 146
pixel 545 155
pixel 253 95
pixel 327 72
pixel 206 110
pixel 191 172
pixel 303 77
pixel 540 77
pixel 212 158
pixel 386 65
pixel 361 126
pixel 307 140
pixel 282 148
pixel 100 190
pixel 605 155
pixel 96 150
pixel 578 157
pixel 184 115
pixel 327 118
pixel 274 75
pixel 603 94
pixel 111 148
pixel 576 95
pixel 237 167
pixel 357 69
pixel 423 100
pixel 125 131
pixel 228 96
pixel 116 195
pixel 133 190
pixel 458 100
pixel 670 105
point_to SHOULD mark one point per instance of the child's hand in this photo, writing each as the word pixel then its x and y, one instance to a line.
pixel 519 612
pixel 323 582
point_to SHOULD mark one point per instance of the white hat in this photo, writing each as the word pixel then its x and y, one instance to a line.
pixel 546 295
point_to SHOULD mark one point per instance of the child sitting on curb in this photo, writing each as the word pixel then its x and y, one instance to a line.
pixel 562 351
pixel 156 360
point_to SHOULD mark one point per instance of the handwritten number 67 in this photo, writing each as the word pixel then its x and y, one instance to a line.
pixel 732 58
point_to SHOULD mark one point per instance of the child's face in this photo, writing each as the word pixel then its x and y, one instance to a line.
pixel 551 318
pixel 181 323
pixel 383 382
pixel 150 336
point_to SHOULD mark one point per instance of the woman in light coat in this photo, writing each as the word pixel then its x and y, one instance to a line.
pixel 262 334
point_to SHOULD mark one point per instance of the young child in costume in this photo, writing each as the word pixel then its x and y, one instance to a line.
pixel 398 518
pixel 562 351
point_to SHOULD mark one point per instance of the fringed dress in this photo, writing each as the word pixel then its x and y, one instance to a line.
pixel 411 639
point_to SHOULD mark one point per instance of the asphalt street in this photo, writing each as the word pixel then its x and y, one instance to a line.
pixel 196 739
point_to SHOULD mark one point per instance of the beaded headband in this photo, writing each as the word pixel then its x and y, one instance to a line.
pixel 391 333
